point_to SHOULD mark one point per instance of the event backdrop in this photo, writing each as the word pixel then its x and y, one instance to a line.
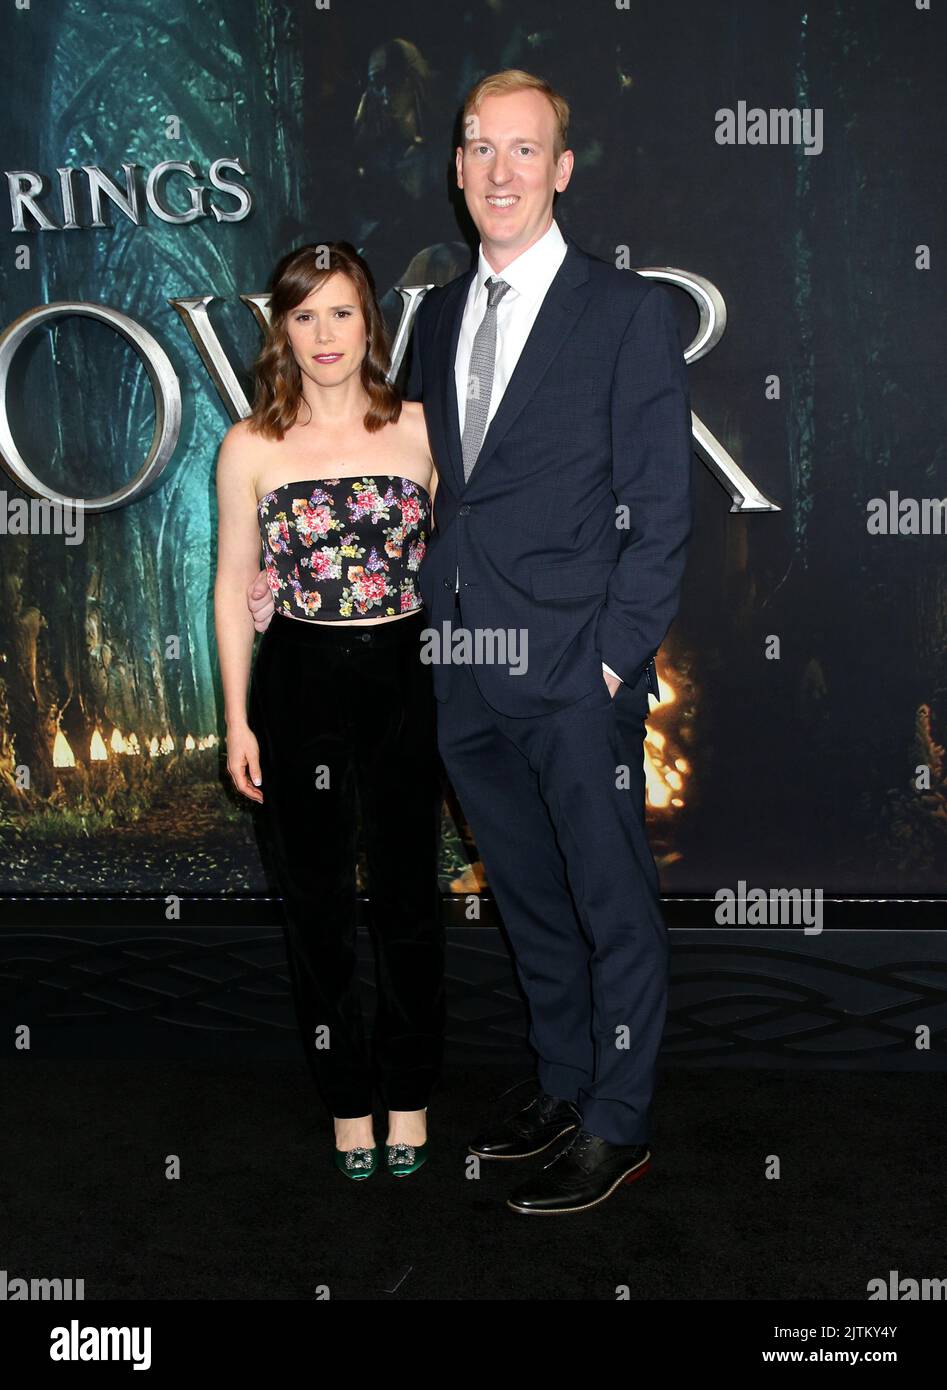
pixel 804 685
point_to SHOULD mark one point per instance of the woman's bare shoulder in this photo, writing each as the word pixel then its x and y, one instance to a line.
pixel 242 443
pixel 239 438
pixel 412 418
pixel 413 412
pixel 241 452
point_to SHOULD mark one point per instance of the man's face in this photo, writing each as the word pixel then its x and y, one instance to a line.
pixel 507 171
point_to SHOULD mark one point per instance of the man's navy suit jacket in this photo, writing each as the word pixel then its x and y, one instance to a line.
pixel 574 523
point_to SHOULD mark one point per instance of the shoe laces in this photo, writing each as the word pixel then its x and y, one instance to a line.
pixel 576 1148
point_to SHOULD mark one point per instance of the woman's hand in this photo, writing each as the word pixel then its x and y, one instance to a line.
pixel 243 761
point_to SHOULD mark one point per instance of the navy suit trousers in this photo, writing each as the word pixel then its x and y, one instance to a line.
pixel 556 805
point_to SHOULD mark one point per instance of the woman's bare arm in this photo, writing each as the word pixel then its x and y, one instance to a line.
pixel 238 561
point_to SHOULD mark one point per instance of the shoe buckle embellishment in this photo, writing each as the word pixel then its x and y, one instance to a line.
pixel 399 1154
pixel 358 1158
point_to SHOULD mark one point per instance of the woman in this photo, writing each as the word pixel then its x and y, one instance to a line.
pixel 333 473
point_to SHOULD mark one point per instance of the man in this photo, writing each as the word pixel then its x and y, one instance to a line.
pixel 557 407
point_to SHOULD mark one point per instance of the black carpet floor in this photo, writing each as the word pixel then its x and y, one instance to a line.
pixel 258 1211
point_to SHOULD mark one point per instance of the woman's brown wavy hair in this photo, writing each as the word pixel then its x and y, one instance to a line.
pixel 277 375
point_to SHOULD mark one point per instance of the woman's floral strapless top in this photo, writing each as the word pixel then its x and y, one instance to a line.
pixel 345 547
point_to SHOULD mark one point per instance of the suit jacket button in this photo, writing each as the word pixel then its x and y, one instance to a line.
pixel 464 509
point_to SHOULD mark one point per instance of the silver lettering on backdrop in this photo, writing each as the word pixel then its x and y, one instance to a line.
pixel 26 187
pixel 744 494
pixel 197 321
pixel 164 383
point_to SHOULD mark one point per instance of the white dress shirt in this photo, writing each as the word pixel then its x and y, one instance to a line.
pixel 529 277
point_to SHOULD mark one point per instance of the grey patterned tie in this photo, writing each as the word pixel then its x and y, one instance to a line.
pixel 480 375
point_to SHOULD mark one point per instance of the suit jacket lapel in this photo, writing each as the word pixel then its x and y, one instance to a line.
pixel 453 317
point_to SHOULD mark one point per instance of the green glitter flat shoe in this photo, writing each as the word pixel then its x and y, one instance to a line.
pixel 357 1163
pixel 403 1159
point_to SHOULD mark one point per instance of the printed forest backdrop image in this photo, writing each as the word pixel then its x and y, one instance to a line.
pixel 799 735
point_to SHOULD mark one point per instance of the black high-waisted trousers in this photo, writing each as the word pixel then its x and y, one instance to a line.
pixel 345 721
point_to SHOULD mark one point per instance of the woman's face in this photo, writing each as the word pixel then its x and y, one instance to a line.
pixel 327 332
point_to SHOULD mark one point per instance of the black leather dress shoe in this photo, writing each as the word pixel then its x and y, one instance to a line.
pixel 588 1170
pixel 532 1129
